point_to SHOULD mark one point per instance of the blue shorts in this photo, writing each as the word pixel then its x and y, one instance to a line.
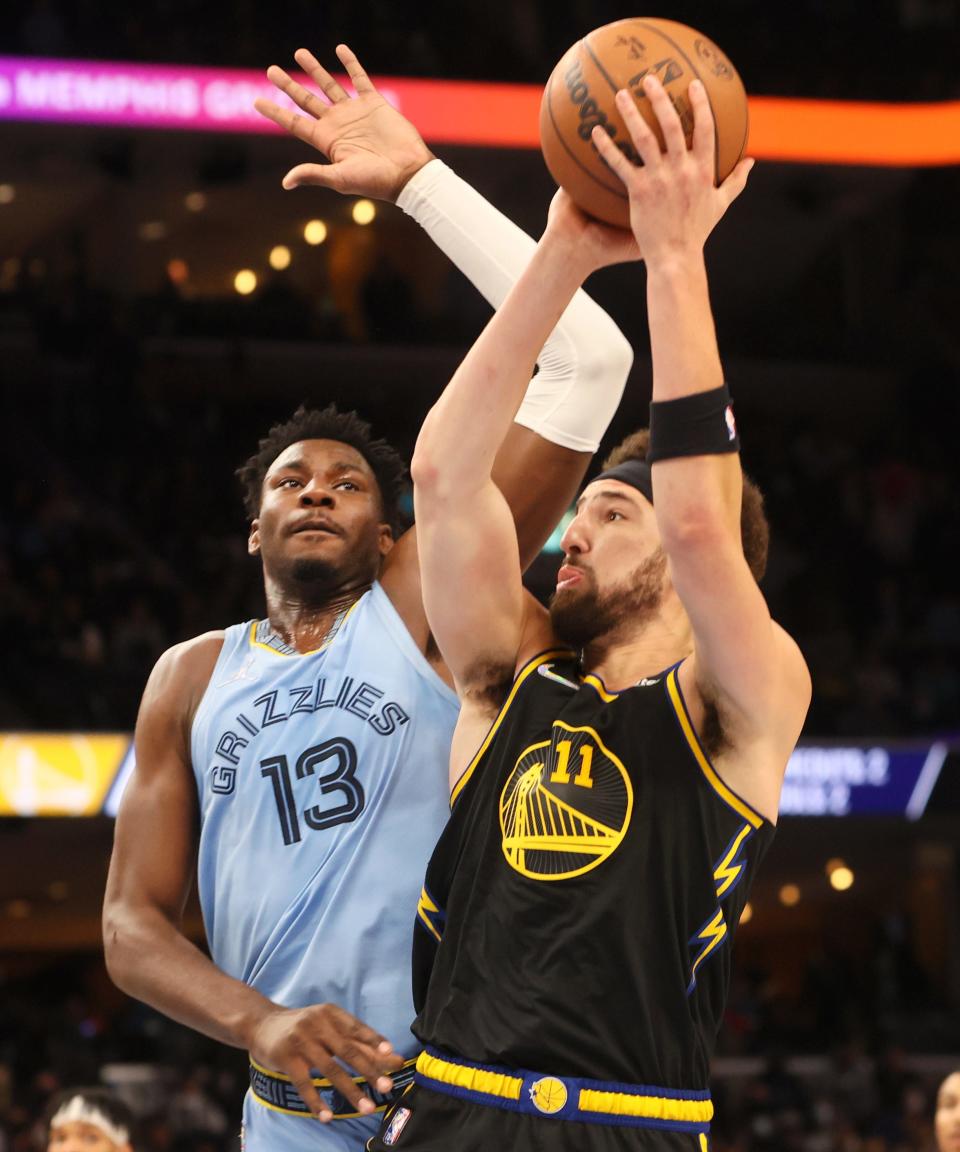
pixel 265 1130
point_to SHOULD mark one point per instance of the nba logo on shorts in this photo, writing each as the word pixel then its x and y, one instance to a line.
pixel 731 423
pixel 397 1124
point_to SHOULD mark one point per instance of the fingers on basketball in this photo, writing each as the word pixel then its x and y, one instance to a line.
pixel 667 118
pixel 704 125
pixel 611 154
pixel 642 135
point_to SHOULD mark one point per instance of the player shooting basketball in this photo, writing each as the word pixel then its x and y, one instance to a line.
pixel 572 948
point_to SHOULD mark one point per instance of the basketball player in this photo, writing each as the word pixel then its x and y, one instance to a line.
pixel 573 938
pixel 88 1120
pixel 300 761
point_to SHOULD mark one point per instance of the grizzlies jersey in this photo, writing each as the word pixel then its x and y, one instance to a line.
pixel 322 782
pixel 578 911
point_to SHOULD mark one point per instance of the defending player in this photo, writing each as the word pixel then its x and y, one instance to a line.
pixel 300 762
pixel 572 945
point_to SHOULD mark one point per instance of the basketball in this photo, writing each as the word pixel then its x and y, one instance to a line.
pixel 580 94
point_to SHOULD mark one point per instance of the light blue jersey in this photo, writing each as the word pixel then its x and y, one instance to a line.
pixel 322 780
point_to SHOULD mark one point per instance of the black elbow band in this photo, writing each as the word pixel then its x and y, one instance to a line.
pixel 698 425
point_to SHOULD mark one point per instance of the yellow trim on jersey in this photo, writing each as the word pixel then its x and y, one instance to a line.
pixel 532 666
pixel 472 1079
pixel 649 1107
pixel 740 806
pixel 255 643
pixel 597 684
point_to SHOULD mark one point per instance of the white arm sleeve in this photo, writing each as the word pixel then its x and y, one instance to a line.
pixel 585 362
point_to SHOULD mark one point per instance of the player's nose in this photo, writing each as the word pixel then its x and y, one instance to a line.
pixel 317 496
pixel 575 538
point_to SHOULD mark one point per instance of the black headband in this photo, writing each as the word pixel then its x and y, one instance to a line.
pixel 636 473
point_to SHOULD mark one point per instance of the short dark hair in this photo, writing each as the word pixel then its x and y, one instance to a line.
pixel 754 527
pixel 327 424
pixel 99 1099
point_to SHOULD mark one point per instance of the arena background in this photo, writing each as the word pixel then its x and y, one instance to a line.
pixel 135 378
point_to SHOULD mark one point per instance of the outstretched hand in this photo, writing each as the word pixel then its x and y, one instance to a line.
pixel 373 150
pixel 674 203
pixel 299 1041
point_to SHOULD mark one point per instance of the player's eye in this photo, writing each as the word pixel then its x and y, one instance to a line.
pixel 613 514
pixel 290 481
pixel 349 484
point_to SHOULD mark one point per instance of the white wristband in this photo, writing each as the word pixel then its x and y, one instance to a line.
pixel 585 362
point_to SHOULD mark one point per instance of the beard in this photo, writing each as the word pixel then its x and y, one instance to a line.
pixel 582 614
pixel 312 581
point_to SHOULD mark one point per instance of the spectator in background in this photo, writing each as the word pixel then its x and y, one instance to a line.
pixel 88 1120
pixel 947 1116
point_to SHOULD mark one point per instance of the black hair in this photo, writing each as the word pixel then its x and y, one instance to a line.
pixel 327 424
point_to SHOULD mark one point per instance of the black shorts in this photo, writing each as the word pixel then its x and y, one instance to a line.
pixel 425 1121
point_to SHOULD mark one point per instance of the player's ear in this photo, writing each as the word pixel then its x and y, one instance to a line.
pixel 253 540
pixel 386 541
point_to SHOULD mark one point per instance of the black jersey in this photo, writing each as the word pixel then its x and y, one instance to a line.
pixel 579 908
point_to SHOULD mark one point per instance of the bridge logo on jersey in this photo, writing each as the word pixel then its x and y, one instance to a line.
pixel 565 806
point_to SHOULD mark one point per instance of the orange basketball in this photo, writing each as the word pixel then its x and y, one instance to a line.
pixel 581 89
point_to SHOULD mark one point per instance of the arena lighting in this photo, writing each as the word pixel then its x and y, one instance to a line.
pixel 315 232
pixel 364 212
pixel 747 914
pixel 789 895
pixel 245 281
pixel 178 270
pixel 7 193
pixel 280 257
pixel 841 879
pixel 455 112
pixel 195 201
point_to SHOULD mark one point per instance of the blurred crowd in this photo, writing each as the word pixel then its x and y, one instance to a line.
pixel 848 1088
pixel 809 48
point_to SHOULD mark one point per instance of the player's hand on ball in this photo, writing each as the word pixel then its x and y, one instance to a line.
pixel 674 205
pixel 373 150
pixel 306 1042
pixel 595 244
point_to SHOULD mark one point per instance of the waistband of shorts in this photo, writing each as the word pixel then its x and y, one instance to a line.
pixel 275 1091
pixel 564 1097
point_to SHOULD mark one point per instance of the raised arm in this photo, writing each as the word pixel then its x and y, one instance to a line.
pixel 469 557
pixel 743 663
pixel 584 361
pixel 151 870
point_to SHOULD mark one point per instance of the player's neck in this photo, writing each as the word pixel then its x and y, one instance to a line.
pixel 306 626
pixel 623 659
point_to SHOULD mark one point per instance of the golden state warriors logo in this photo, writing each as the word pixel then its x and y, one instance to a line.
pixel 565 806
pixel 548 1095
